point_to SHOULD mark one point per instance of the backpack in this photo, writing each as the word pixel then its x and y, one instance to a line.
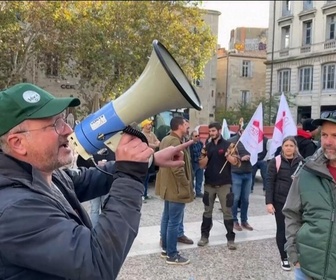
pixel 277 162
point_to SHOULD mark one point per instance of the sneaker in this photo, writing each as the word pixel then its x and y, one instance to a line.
pixel 285 265
pixel 231 245
pixel 203 241
pixel 237 226
pixel 199 195
pixel 164 254
pixel 178 260
pixel 247 226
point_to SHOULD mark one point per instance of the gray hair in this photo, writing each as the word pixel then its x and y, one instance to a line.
pixel 3 138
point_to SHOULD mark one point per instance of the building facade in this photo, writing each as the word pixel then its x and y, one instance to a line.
pixel 301 55
pixel 241 69
pixel 206 87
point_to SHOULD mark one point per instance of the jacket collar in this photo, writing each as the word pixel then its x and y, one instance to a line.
pixel 14 172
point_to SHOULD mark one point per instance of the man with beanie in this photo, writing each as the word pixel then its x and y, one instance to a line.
pixel 304 138
pixel 153 142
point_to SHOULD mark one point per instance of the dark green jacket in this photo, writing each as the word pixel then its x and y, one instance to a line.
pixel 310 219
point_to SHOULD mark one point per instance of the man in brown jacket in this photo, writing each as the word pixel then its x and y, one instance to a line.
pixel 174 186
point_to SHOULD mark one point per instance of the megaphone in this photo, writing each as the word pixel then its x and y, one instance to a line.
pixel 162 86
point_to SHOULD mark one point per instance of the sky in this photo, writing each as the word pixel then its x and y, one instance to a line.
pixel 238 14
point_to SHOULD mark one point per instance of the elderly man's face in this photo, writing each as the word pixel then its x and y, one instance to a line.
pixel 46 149
pixel 328 140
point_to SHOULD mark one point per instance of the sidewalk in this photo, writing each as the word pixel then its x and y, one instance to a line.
pixel 145 243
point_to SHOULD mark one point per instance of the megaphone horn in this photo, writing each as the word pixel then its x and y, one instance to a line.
pixel 162 86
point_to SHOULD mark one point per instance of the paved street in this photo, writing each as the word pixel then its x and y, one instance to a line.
pixel 256 258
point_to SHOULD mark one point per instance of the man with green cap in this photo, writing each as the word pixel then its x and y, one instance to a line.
pixel 310 209
pixel 45 233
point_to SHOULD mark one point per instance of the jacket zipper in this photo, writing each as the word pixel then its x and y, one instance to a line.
pixel 333 213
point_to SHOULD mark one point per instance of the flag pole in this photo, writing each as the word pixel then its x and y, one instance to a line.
pixel 234 147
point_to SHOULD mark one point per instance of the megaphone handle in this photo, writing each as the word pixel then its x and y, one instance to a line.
pixel 130 130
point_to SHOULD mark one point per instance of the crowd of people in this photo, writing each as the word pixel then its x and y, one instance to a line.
pixel 47 234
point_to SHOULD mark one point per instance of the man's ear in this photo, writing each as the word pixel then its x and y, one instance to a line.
pixel 16 143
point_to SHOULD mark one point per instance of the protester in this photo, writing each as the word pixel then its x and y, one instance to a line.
pixel 174 186
pixel 310 209
pixel 278 182
pixel 217 152
pixel 195 154
pixel 96 203
pixel 261 164
pixel 45 232
pixel 153 142
pixel 241 184
pixel 305 139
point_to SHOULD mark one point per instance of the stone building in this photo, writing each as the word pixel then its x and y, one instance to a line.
pixel 241 69
pixel 301 57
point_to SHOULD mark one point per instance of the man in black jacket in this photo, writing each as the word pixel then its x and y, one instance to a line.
pixel 45 233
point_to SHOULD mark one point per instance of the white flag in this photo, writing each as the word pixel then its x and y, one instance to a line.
pixel 225 130
pixel 284 125
pixel 252 136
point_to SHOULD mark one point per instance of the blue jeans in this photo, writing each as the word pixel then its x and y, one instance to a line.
pixel 262 165
pixel 170 223
pixel 299 275
pixel 198 178
pixel 241 188
pixel 95 209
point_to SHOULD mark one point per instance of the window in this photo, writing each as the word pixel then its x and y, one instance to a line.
pixel 246 96
pixel 328 76
pixel 307 32
pixel 197 83
pixel 51 65
pixel 331 27
pixel 284 80
pixel 285 37
pixel 306 78
pixel 246 68
pixel 307 5
pixel 286 8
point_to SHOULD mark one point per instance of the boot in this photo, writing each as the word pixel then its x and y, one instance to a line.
pixel 230 236
pixel 206 227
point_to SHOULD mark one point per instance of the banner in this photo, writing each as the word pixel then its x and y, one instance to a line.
pixel 284 125
pixel 252 136
pixel 225 130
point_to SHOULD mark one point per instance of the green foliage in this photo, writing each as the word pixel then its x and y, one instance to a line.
pixel 105 44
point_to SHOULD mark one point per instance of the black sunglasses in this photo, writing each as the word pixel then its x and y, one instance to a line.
pixel 328 115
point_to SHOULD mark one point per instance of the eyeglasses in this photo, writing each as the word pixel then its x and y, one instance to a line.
pixel 328 114
pixel 59 125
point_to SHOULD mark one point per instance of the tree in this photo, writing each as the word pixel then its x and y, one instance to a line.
pixel 105 44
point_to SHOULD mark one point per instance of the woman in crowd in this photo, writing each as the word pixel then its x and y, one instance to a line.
pixel 278 182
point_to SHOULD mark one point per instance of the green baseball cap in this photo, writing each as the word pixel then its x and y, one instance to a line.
pixel 27 101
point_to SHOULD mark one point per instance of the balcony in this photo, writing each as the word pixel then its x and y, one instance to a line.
pixel 330 45
pixel 305 49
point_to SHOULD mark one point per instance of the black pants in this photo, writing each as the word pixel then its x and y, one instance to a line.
pixel 280 230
